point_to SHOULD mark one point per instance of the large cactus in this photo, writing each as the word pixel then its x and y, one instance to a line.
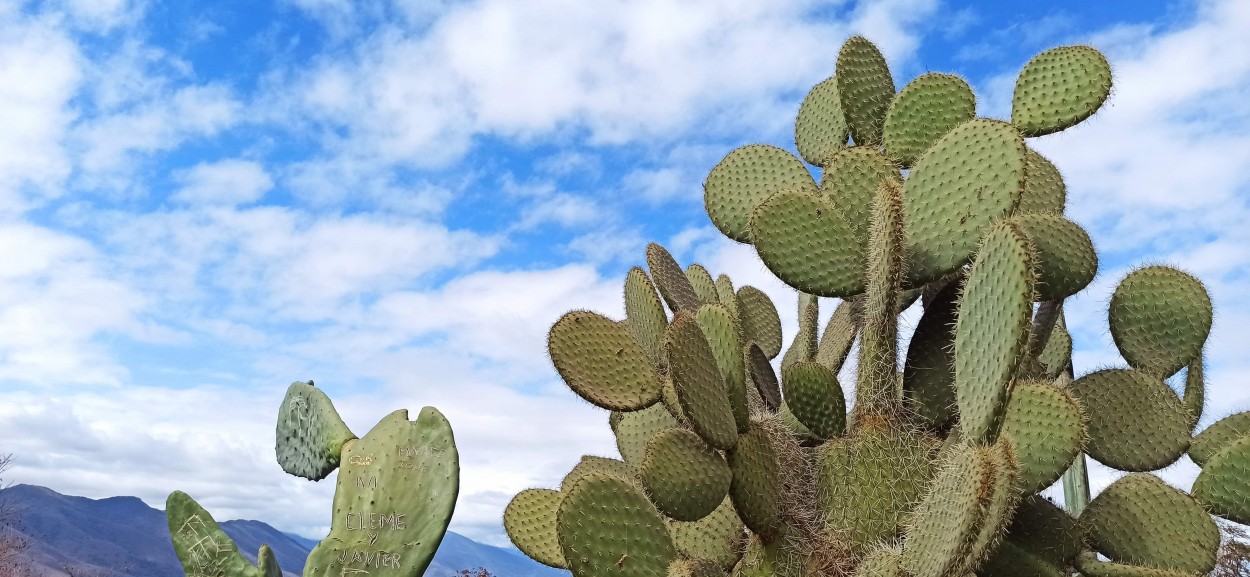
pixel 394 497
pixel 935 470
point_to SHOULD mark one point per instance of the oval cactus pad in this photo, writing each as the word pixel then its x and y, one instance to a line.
pixel 310 433
pixel 602 362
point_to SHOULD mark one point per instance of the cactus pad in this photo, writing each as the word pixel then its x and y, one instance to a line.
pixel 602 362
pixel 1223 485
pixel 929 373
pixel 1059 88
pixel 1047 429
pixel 865 88
pixel 645 313
pixel 718 325
pixel 676 289
pixel 813 394
pixel 202 547
pixel 1135 422
pixel 924 111
pixel 1140 520
pixel 1215 438
pixel 1066 261
pixel 1160 317
pixel 394 497
pixel 1044 190
pixel 530 521
pixel 635 429
pixel 1090 566
pixel 760 321
pixel 762 375
pixel 607 528
pixel 702 283
pixel 744 179
pixel 756 483
pixel 310 433
pixel 969 179
pixel 808 244
pixel 992 330
pixel 699 384
pixel 684 477
pixel 820 128
pixel 592 464
pixel 946 523
pixel 714 538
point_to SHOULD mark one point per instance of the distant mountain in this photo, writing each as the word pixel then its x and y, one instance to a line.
pixel 123 537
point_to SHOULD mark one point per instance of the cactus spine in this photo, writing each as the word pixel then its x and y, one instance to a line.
pixel 935 469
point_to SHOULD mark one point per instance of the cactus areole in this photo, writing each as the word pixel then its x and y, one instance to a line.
pixel 733 465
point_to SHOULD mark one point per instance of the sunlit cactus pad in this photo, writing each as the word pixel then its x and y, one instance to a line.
pixel 743 455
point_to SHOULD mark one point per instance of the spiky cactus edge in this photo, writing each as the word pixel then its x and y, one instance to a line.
pixel 936 469
pixel 394 497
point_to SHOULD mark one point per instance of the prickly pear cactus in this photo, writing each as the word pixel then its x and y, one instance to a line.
pixel 394 497
pixel 728 468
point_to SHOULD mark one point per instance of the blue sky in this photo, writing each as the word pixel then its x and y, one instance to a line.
pixel 200 203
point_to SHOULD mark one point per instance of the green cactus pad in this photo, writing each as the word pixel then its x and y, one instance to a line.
pixel 813 394
pixel 868 482
pixel 1044 190
pixel 725 293
pixel 201 545
pixel 1066 261
pixel 929 372
pixel 694 568
pixel 969 179
pixel 820 128
pixel 701 280
pixel 394 497
pixel 865 89
pixel 718 325
pixel 1057 354
pixel 1059 88
pixel 1047 430
pixel 759 319
pixel 602 362
pixel 530 521
pixel 763 376
pixel 310 433
pixel 1135 422
pixel 715 538
pixel 635 429
pixel 676 289
pixel 946 523
pixel 1090 566
pixel 645 311
pixel 1215 438
pixel 744 179
pixel 803 347
pixel 924 111
pixel 1223 485
pixel 806 242
pixel 882 562
pixel 1160 317
pixel 267 562
pixel 839 334
pixel 992 329
pixel 1195 396
pixel 684 477
pixel 756 483
pixel 592 464
pixel 699 384
pixel 1140 520
pixel 1045 530
pixel 1002 499
pixel 797 429
pixel 850 182
pixel 607 528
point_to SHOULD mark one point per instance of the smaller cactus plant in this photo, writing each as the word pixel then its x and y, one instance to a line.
pixel 394 497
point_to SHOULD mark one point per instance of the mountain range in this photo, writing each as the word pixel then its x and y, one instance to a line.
pixel 71 536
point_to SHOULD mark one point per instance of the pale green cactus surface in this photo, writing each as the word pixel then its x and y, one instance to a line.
pixel 740 461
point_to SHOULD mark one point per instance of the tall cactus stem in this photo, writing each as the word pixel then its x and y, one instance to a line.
pixel 878 390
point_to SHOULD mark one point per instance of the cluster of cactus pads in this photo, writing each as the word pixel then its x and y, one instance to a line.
pixel 394 497
pixel 936 468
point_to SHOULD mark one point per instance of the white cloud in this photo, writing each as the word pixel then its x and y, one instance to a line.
pixel 226 182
